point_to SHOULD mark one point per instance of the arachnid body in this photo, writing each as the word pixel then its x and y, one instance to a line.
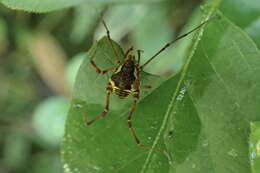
pixel 125 80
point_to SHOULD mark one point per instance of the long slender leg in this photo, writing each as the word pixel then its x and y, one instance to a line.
pixel 146 86
pixel 139 56
pixel 106 109
pixel 110 41
pixel 128 51
pixel 138 73
pixel 129 122
pixel 170 43
pixel 98 70
pixel 136 94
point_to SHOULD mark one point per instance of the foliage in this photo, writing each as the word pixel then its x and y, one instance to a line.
pixel 201 110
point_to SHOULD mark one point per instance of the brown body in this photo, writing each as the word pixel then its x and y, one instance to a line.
pixel 123 80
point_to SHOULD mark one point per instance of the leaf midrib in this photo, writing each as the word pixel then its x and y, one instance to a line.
pixel 183 74
pixel 171 103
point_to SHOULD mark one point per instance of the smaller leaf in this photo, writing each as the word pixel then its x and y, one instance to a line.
pixel 255 146
pixel 248 11
pixel 50 5
pixel 253 31
pixel 38 5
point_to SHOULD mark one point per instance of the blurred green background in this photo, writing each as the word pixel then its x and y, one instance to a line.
pixel 40 55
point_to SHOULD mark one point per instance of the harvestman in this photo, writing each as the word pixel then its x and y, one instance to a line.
pixel 125 79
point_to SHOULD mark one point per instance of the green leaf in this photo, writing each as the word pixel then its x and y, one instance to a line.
pixel 242 12
pixel 38 5
pixel 249 16
pixel 222 97
pixel 201 116
pixel 50 5
pixel 89 98
pixel 253 31
pixel 255 146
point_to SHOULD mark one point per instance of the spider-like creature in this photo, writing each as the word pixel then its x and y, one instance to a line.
pixel 125 79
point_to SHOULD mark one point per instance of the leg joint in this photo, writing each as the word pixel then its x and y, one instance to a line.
pixel 109 89
pixel 129 123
